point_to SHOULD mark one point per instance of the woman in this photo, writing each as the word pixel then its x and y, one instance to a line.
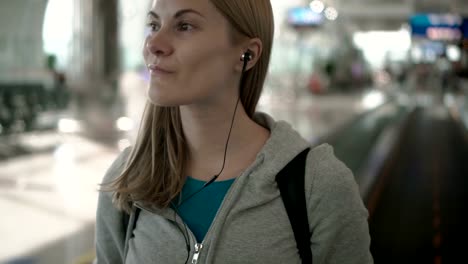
pixel 202 172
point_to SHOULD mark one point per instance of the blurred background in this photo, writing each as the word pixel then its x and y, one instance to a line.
pixel 384 82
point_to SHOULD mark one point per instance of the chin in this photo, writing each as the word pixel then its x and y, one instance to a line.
pixel 159 96
pixel 170 96
pixel 164 100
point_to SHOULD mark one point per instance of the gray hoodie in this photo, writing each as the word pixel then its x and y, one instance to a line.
pixel 251 225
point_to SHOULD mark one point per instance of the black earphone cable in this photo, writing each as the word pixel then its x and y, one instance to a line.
pixel 245 59
pixel 185 234
pixel 229 135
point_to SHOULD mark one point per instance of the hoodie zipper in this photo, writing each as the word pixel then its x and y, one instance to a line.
pixel 196 254
pixel 199 246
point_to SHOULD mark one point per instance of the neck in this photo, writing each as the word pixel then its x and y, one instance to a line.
pixel 206 131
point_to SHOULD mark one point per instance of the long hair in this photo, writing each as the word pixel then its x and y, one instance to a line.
pixel 154 171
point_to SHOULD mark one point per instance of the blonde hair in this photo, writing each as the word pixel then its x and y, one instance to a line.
pixel 154 172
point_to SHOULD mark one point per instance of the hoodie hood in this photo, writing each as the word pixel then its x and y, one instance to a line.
pixel 283 145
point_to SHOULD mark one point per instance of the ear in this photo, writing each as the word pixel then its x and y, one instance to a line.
pixel 254 46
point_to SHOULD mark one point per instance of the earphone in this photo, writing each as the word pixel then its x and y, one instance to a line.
pixel 247 56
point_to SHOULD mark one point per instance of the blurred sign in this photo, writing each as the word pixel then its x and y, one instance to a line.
pixel 443 27
pixel 304 17
pixel 432 48
pixel 464 28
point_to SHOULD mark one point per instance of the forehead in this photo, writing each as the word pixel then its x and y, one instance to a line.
pixel 170 7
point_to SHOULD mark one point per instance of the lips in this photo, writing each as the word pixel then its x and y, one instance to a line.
pixel 158 69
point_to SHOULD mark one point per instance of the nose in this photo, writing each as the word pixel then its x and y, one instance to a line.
pixel 158 44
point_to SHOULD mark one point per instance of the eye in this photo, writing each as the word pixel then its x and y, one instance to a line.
pixel 153 26
pixel 184 26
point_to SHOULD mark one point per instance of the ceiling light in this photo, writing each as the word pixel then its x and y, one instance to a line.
pixel 317 6
pixel 331 13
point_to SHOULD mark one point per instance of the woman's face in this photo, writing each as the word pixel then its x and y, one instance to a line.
pixel 189 53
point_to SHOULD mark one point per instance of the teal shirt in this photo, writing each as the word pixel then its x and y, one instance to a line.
pixel 199 211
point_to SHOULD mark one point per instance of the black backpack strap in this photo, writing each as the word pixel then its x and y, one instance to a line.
pixel 291 185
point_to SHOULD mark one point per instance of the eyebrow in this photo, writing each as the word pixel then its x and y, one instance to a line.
pixel 178 14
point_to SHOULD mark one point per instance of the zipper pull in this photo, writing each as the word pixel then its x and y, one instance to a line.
pixel 198 248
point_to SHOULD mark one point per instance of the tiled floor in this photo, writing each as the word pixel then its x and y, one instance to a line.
pixel 50 197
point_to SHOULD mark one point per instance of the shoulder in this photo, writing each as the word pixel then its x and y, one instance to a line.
pixel 336 212
pixel 112 173
pixel 330 183
pixel 110 221
pixel 323 167
pixel 117 166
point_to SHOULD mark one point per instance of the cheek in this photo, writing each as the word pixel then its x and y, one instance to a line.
pixel 207 78
pixel 144 50
pixel 209 66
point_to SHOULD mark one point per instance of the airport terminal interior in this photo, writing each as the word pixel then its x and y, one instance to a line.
pixel 383 82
